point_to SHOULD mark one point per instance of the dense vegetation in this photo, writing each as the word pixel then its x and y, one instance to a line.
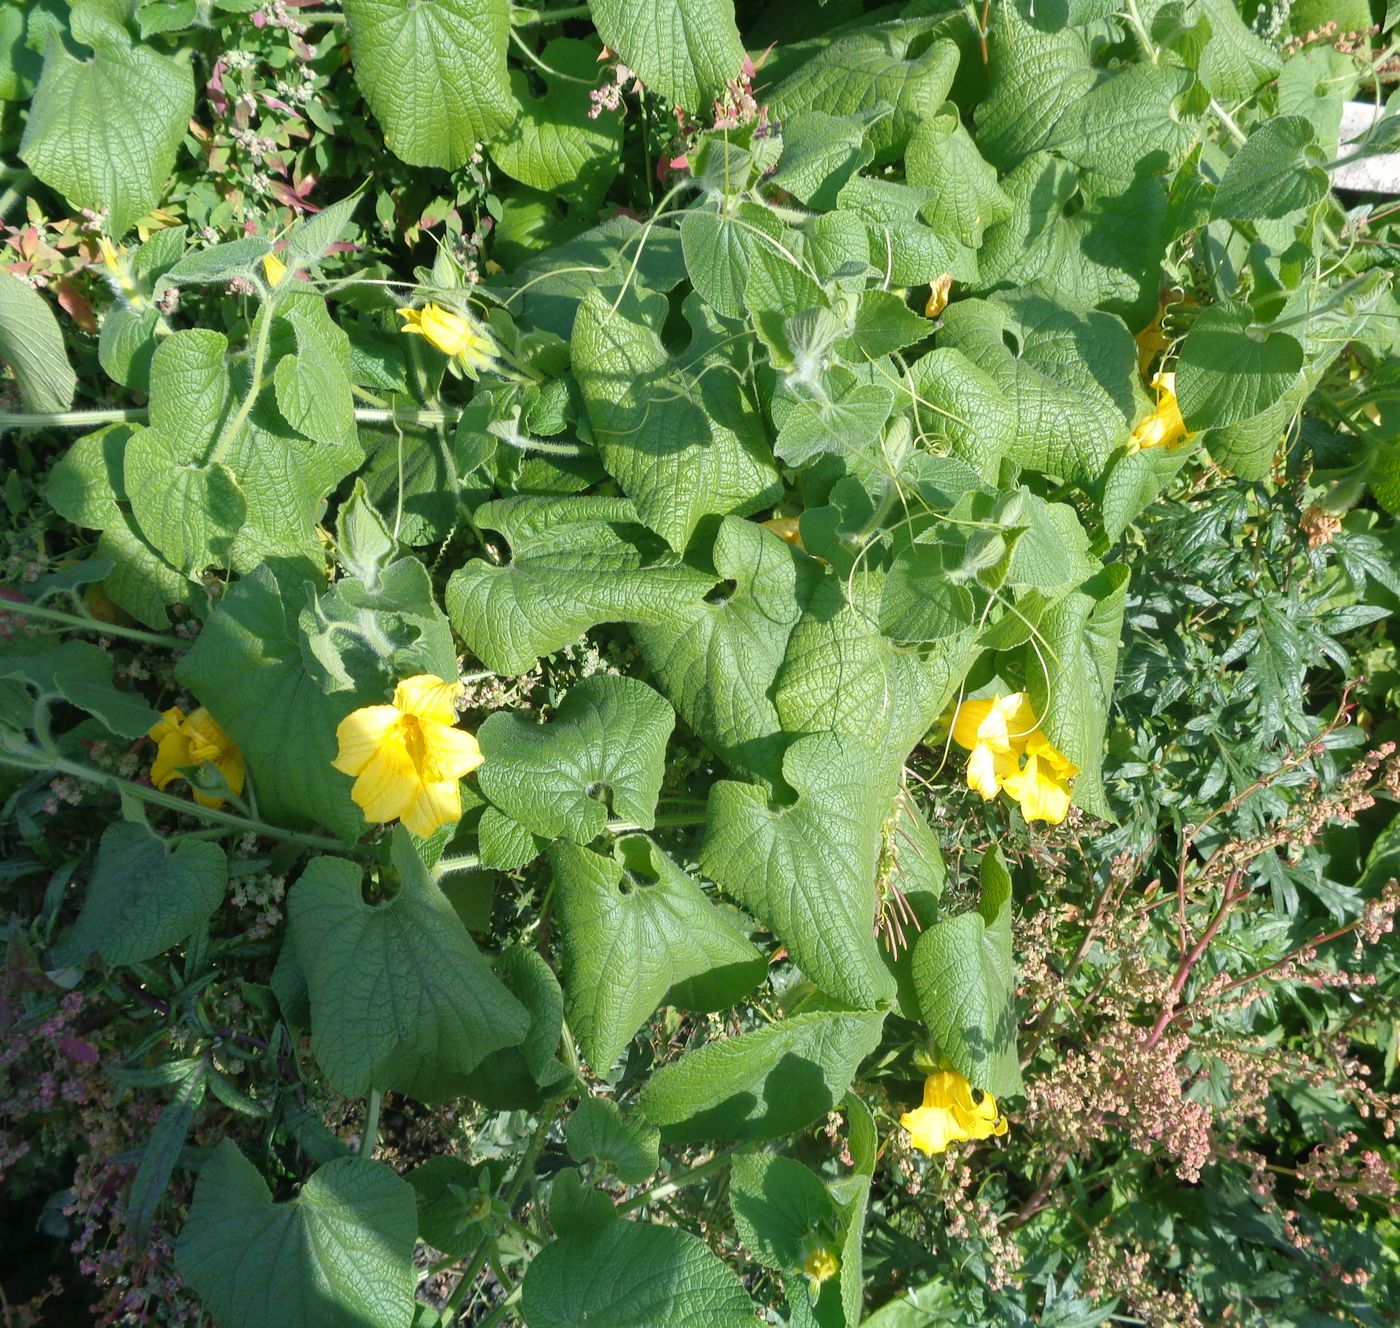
pixel 666 664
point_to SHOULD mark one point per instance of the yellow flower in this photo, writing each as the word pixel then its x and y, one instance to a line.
pixel 821 1266
pixel 1042 786
pixel 1164 427
pixel 786 528
pixel 938 291
pixel 119 273
pixel 1002 731
pixel 111 256
pixel 949 1114
pixel 183 741
pixel 993 730
pixel 455 334
pixel 274 269
pixel 407 756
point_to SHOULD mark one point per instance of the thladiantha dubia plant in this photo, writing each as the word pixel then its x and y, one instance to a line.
pixel 599 643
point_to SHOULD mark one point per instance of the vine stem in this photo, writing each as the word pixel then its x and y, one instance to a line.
pixel 80 624
pixel 371 1135
pixel 34 758
pixel 517 1183
pixel 534 18
pixel 675 1183
pixel 255 385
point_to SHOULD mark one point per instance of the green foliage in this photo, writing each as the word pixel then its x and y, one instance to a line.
pixel 787 380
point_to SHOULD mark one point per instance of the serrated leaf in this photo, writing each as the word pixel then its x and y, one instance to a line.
pixel 605 749
pixel 221 262
pixel 965 979
pixel 779 1209
pixel 942 157
pixel 104 131
pixel 764 1084
pixel 434 75
pixel 247 668
pixel 858 70
pixel 905 250
pixel 400 996
pixel 846 417
pixel 575 562
pixel 808 869
pixel 31 343
pixel 633 1275
pixel 686 50
pixel 717 662
pixel 635 926
pixel 190 513
pixel 162 1152
pixel 144 896
pixel 599 1131
pixel 1072 381
pixel 717 248
pixel 1275 172
pixel 312 238
pixel 1235 62
pixel 554 144
pixel 1227 372
pixel 681 441
pixel 821 152
pixel 339 1253
pixel 840 675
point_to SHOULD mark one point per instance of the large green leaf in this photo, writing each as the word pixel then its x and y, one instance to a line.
pixel 1277 170
pixel 144 896
pixel 681 441
pixel 339 1255
pixel 859 70
pixel 1090 246
pixel 1229 371
pixel 635 926
pixel 1070 675
pixel 104 131
pixel 965 980
pixel 779 1207
pixel 31 343
pixel 942 157
pixel 686 50
pixel 599 1130
pixel 633 1275
pixel 554 144
pixel 1072 380
pixel 433 74
pixel 717 661
pixel 605 750
pixel 400 996
pixel 575 562
pixel 842 675
pixel 718 248
pixel 763 1084
pixel 247 668
pixel 807 868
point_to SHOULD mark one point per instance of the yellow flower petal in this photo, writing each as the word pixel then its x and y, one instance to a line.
pixel 274 269
pixel 968 721
pixel 388 782
pixel 449 753
pixel 982 772
pixel 428 697
pixel 361 733
pixel 939 290
pixel 453 333
pixel 821 1265
pixel 435 804
pixel 1042 793
pixel 950 1114
pixel 1164 427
